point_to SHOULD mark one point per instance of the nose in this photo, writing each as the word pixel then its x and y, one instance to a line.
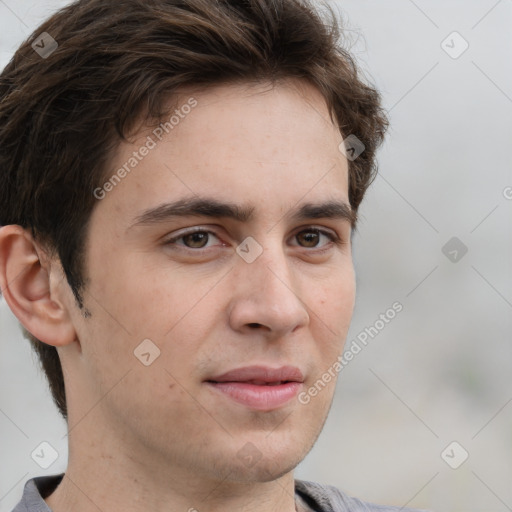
pixel 267 296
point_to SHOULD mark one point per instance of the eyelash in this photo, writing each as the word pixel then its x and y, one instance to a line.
pixel 331 236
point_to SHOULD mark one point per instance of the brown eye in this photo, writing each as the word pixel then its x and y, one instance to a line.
pixel 196 240
pixel 309 238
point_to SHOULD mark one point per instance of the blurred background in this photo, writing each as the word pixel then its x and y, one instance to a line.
pixel 423 413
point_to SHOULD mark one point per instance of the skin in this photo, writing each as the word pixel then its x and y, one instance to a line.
pixel 157 437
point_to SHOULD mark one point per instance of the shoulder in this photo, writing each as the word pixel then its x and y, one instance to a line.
pixel 327 498
pixel 34 492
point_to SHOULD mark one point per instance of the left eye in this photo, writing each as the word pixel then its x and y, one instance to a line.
pixel 312 236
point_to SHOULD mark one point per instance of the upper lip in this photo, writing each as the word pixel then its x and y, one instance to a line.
pixel 261 374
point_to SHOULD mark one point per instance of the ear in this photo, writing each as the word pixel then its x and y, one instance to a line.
pixel 33 288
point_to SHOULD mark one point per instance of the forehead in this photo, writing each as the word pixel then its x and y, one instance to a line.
pixel 265 145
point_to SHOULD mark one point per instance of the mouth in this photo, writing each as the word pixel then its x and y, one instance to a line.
pixel 258 387
pixel 264 383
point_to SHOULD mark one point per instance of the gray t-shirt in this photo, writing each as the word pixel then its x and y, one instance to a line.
pixel 309 497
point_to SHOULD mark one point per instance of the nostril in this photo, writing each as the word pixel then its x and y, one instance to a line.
pixel 254 325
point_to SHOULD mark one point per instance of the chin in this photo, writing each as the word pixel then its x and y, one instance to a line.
pixel 267 468
pixel 261 472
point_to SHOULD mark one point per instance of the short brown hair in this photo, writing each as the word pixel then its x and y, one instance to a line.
pixel 62 116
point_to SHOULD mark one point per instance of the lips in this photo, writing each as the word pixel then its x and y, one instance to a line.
pixel 261 375
pixel 258 387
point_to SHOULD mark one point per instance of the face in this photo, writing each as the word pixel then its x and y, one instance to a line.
pixel 265 283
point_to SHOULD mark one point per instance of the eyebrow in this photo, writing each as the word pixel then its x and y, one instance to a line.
pixel 209 207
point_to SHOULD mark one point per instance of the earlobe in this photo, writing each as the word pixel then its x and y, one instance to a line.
pixel 29 287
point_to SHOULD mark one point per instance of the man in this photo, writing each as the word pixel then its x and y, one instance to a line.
pixel 180 185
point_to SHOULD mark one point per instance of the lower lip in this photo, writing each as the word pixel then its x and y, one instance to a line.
pixel 261 398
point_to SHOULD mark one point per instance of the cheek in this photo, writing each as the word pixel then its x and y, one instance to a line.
pixel 335 304
pixel 335 300
pixel 144 301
